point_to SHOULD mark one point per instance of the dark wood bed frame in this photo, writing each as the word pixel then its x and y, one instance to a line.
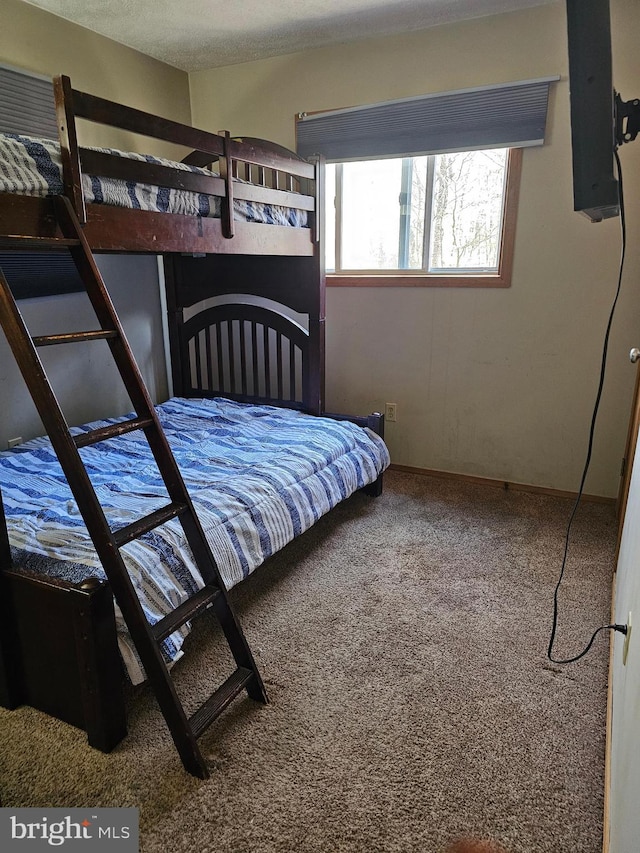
pixel 58 648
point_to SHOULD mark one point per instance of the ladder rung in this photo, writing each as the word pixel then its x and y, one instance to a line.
pixel 74 337
pixel 148 522
pixel 112 431
pixel 216 703
pixel 185 611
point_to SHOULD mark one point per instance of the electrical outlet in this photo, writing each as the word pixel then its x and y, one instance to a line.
pixel 390 412
pixel 14 441
pixel 627 638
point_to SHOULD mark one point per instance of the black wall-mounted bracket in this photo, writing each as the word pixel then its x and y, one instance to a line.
pixel 627 124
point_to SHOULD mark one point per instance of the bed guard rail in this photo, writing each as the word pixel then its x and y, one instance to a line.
pixel 271 174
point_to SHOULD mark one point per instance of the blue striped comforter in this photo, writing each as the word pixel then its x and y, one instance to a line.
pixel 258 476
pixel 30 166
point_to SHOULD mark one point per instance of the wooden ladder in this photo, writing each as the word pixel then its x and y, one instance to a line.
pixel 147 638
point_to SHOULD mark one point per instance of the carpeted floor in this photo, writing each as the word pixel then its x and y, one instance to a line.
pixel 403 645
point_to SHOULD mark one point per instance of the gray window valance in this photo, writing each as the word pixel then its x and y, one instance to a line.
pixel 509 115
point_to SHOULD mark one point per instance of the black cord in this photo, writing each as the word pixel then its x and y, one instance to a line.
pixel 605 347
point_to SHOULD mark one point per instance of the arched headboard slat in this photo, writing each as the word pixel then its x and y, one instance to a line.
pixel 258 354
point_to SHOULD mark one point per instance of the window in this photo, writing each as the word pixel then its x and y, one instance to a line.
pixel 440 219
pixel 426 187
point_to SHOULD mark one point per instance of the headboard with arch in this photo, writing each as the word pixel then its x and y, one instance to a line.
pixel 251 329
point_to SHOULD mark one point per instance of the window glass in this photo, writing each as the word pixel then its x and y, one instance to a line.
pixel 370 214
pixel 439 214
pixel 466 212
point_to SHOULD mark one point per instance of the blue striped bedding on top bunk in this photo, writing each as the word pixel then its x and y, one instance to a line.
pixel 258 476
pixel 31 166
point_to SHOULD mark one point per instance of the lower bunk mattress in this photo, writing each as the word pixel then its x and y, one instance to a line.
pixel 258 476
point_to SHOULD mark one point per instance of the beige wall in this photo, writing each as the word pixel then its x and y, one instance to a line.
pixel 493 383
pixel 40 42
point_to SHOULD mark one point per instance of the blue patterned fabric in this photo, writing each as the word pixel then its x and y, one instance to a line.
pixel 258 476
pixel 30 166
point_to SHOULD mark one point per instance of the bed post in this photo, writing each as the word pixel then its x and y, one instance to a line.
pixel 314 394
pixel 71 170
pixel 9 672
pixel 375 422
pixel 68 667
pixel 5 551
pixel 175 322
pixel 64 657
pixel 225 165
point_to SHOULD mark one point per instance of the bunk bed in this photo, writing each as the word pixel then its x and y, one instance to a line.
pixel 237 223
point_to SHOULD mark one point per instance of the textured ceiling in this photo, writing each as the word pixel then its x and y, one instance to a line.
pixel 199 34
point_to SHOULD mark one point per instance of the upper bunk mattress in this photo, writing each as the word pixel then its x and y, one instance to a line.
pixel 30 166
pixel 258 476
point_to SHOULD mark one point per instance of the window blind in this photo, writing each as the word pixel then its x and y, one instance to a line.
pixel 27 107
pixel 26 104
pixel 39 273
pixel 511 115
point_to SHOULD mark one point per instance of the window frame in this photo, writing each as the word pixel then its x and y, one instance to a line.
pixel 422 278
